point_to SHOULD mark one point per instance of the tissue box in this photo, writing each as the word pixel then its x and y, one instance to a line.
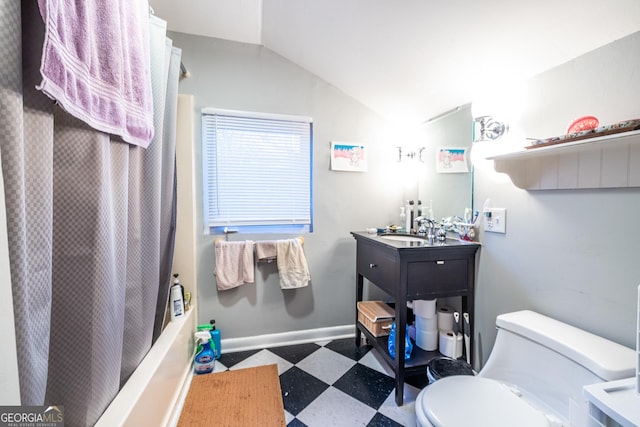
pixel 376 316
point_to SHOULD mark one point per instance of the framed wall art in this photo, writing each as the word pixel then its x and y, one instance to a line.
pixel 451 160
pixel 347 156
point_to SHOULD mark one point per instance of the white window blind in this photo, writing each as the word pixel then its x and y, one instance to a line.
pixel 257 169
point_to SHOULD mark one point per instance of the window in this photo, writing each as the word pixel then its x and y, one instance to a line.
pixel 257 171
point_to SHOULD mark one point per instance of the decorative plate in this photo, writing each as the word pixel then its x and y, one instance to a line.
pixel 582 124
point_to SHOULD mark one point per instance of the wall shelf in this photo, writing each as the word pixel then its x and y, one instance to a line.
pixel 610 161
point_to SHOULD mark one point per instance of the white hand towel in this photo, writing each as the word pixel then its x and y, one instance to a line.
pixel 292 264
pixel 234 264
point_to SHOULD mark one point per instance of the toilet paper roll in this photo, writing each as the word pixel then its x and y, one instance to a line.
pixel 427 324
pixel 427 340
pixel 424 308
pixel 445 318
pixel 450 344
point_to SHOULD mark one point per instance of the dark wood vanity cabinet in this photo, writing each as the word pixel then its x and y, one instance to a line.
pixel 412 270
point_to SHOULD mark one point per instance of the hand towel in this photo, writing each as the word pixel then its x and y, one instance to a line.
pixel 292 264
pixel 266 251
pixel 234 264
pixel 96 64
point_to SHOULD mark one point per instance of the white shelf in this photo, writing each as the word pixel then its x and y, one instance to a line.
pixel 610 161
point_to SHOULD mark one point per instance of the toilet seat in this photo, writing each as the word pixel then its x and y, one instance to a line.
pixel 465 401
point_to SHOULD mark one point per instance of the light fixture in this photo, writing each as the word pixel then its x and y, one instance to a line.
pixel 486 128
pixel 407 154
pixel 495 107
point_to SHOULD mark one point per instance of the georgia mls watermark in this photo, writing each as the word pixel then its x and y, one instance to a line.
pixel 31 416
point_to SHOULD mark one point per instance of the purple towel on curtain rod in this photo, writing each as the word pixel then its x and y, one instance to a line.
pixel 95 64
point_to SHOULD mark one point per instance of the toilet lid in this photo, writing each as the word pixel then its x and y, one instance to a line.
pixel 477 401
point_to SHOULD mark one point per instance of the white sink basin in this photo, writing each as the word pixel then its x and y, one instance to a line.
pixel 403 238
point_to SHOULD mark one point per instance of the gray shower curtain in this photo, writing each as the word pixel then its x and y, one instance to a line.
pixel 90 221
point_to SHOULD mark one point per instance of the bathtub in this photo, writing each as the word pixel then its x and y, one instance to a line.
pixel 154 393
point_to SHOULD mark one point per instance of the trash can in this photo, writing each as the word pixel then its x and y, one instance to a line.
pixel 446 367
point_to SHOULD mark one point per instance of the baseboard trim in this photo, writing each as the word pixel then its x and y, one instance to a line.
pixel 232 345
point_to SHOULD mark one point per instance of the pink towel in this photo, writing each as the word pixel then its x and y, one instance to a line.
pixel 96 64
pixel 234 264
pixel 292 264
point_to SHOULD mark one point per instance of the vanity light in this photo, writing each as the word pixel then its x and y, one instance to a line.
pixel 488 128
pixel 498 105
pixel 407 154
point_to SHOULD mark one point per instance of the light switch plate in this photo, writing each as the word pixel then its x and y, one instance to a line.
pixel 495 220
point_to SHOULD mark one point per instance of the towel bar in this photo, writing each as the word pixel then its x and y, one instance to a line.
pixel 219 239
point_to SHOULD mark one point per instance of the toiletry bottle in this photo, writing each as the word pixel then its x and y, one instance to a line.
pixel 177 281
pixel 403 217
pixel 215 336
pixel 407 224
pixel 410 214
pixel 204 360
pixel 420 211
pixel 176 300
pixel 430 212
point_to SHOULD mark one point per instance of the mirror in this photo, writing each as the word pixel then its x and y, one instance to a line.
pixel 447 180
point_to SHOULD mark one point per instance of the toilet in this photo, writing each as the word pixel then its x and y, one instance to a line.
pixel 533 377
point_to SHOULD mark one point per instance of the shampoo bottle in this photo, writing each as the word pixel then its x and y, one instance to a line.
pixel 176 300
pixel 215 336
pixel 176 281
pixel 204 360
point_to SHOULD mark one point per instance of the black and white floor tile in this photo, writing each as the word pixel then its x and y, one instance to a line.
pixel 333 383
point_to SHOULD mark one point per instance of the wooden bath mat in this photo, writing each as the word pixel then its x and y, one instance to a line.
pixel 246 397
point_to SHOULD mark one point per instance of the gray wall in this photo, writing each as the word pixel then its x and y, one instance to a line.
pixel 568 254
pixel 571 255
pixel 247 77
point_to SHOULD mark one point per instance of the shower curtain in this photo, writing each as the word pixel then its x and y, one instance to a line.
pixel 90 222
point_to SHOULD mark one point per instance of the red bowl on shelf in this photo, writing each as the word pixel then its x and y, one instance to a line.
pixel 583 123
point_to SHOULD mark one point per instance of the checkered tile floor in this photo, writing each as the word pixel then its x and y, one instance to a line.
pixel 333 383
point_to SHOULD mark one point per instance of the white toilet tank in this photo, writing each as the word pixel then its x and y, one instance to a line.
pixel 549 361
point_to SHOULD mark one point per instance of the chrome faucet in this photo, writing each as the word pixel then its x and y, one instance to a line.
pixel 425 226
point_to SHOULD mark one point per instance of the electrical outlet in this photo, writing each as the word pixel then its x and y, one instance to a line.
pixel 495 220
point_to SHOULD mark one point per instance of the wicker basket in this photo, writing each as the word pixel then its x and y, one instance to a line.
pixel 376 316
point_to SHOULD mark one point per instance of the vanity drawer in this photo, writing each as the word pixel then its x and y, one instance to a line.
pixel 377 267
pixel 437 276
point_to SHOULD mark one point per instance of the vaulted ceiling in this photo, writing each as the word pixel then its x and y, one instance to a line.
pixel 410 60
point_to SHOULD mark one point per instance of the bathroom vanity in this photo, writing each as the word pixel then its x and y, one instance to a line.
pixel 410 268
